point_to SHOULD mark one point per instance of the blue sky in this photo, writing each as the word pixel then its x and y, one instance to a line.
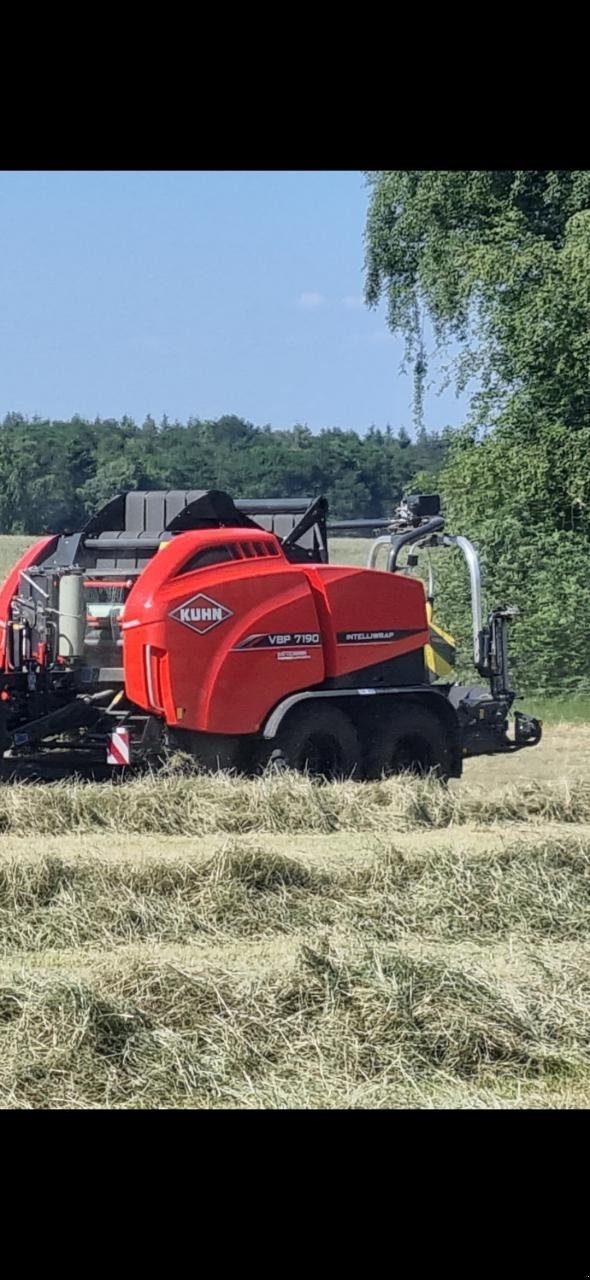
pixel 196 293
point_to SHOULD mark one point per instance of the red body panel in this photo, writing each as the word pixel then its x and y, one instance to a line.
pixel 225 642
pixel 216 648
pixel 372 616
pixel 10 587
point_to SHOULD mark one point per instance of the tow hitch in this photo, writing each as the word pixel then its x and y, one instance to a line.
pixel 528 731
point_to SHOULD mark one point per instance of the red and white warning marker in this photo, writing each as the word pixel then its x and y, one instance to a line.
pixel 119 747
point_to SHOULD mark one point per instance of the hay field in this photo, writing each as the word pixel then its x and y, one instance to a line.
pixel 11 548
pixel 202 942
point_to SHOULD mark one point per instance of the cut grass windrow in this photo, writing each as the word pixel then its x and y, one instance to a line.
pixel 369 1028
pixel 523 889
pixel 199 804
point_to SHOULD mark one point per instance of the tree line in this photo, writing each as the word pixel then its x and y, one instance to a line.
pixel 54 474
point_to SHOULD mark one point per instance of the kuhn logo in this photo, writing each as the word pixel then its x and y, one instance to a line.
pixel 201 613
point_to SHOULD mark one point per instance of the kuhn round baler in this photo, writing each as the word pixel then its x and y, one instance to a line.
pixel 183 619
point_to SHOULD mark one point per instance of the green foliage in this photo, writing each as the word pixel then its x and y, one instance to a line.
pixel 54 474
pixel 500 261
pixel 543 573
pixel 560 709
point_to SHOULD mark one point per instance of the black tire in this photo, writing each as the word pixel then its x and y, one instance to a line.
pixel 414 741
pixel 320 740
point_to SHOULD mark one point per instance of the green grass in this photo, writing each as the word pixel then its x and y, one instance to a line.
pixel 350 550
pixel 574 709
pixel 12 548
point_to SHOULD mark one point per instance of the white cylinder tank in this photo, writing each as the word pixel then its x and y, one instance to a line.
pixel 72 616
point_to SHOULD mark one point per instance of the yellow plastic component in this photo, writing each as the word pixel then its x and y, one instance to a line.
pixel 440 655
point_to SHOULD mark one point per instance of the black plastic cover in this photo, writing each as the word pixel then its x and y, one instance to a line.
pixel 423 504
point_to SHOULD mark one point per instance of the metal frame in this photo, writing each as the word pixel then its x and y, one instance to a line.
pixel 472 560
pixel 420 534
pixel 277 716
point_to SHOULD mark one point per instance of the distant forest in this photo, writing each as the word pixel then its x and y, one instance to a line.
pixel 54 474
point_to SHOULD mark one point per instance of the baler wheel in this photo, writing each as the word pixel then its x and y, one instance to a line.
pixel 414 741
pixel 319 740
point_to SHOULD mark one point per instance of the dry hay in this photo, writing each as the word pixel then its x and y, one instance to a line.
pixel 199 803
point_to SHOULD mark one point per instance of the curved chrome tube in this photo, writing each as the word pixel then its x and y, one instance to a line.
pixel 383 541
pixel 472 560
pixel 449 540
pixel 430 590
